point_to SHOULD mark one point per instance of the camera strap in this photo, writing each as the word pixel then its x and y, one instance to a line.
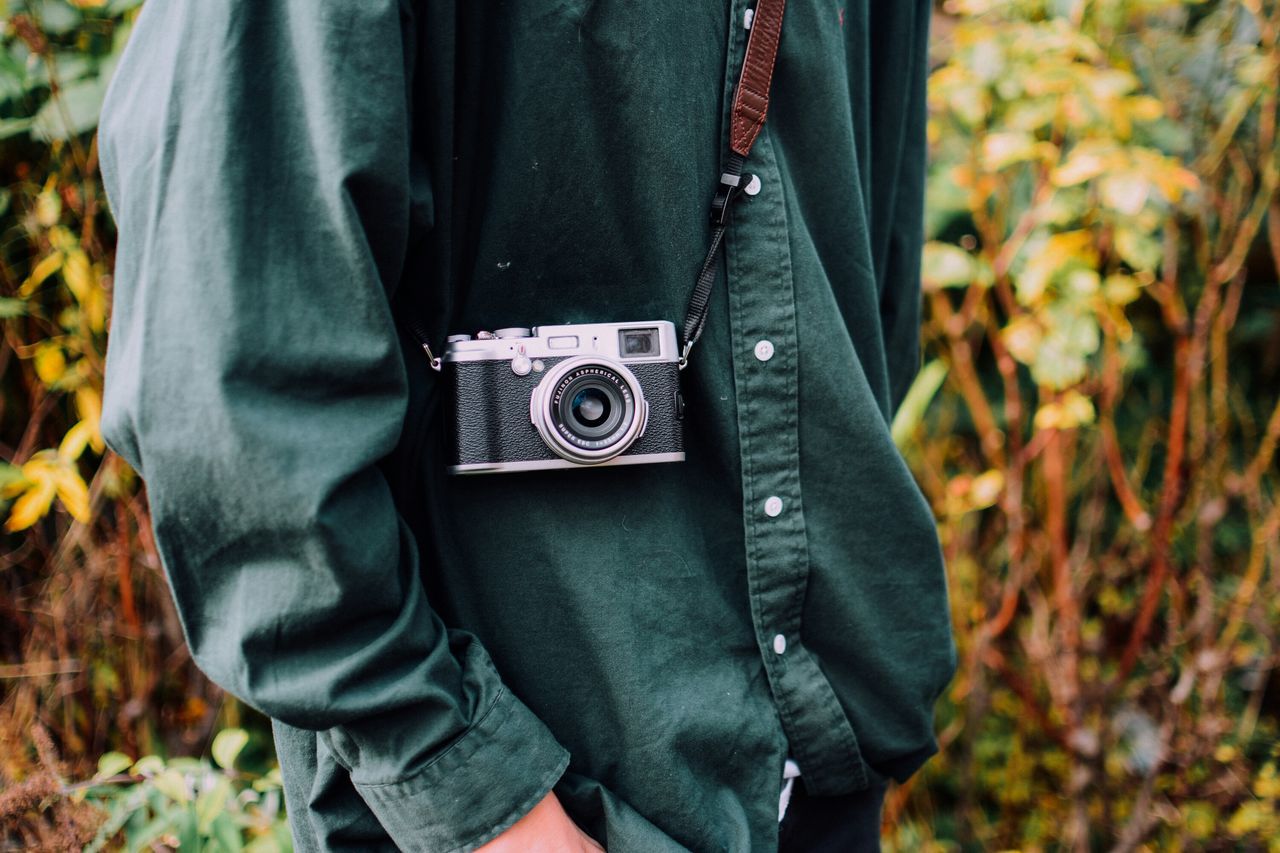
pixel 750 104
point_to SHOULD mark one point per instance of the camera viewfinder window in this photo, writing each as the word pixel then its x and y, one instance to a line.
pixel 638 342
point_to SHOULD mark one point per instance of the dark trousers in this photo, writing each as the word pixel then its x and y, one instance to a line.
pixel 846 824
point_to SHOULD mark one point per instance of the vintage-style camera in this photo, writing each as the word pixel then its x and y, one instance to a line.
pixel 564 396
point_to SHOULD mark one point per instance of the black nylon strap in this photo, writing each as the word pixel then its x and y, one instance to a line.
pixel 750 104
pixel 721 208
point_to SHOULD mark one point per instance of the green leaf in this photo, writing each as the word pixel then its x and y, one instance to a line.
pixel 58 17
pixel 226 835
pixel 82 103
pixel 916 402
pixel 123 810
pixel 10 127
pixel 212 803
pixel 173 785
pixel 944 265
pixel 227 746
pixel 188 836
pixel 111 764
pixel 270 782
pixel 1140 251
pixel 148 765
pixel 9 474
pixel 164 823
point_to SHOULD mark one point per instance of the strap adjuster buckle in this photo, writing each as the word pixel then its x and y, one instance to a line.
pixel 727 193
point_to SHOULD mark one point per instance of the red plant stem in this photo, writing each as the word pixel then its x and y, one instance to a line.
pixel 966 377
pixel 1064 598
pixel 124 569
pixel 1169 498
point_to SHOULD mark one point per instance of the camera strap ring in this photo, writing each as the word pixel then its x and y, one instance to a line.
pixel 424 340
pixel 750 105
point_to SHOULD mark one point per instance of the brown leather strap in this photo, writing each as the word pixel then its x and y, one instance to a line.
pixel 750 103
pixel 751 100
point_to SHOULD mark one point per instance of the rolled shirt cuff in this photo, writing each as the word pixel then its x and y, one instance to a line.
pixel 482 783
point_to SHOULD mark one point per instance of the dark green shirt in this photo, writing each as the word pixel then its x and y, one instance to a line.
pixel 439 652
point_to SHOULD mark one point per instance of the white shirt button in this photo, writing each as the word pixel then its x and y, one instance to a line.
pixel 773 507
pixel 779 644
pixel 764 350
pixel 753 186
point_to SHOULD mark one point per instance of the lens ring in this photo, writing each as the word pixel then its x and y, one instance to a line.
pixel 609 425
pixel 580 392
pixel 615 395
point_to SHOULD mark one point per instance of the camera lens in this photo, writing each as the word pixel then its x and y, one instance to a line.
pixel 591 406
pixel 588 410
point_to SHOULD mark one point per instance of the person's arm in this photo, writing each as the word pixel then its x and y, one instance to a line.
pixel 900 70
pixel 257 158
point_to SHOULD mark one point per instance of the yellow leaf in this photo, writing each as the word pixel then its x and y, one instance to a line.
pixel 1073 409
pixel 944 265
pixel 89 405
pixel 63 239
pixel 1046 257
pixel 39 467
pixel 1006 148
pixel 31 507
pixel 75 441
pixel 73 493
pixel 1145 107
pixel 95 306
pixel 48 205
pixel 1081 282
pixel 51 364
pixel 1121 289
pixel 1125 193
pixel 1087 161
pixel 47 267
pixel 1022 337
pixel 78 274
pixel 986 488
pixel 173 785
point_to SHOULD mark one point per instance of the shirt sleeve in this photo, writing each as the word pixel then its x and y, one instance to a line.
pixel 257 158
pixel 900 70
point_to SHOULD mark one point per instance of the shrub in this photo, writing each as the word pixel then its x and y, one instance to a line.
pixel 1097 422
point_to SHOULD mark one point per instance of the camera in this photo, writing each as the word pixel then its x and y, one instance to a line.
pixel 564 396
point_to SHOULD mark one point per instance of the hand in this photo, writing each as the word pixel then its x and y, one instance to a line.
pixel 545 829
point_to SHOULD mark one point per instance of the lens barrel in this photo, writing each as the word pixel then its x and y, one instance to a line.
pixel 588 410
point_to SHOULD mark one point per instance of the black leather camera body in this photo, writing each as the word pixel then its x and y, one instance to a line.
pixel 568 396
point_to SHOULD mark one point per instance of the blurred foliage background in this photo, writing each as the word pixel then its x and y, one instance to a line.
pixel 1096 426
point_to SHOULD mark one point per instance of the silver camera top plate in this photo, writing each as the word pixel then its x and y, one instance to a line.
pixel 645 342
